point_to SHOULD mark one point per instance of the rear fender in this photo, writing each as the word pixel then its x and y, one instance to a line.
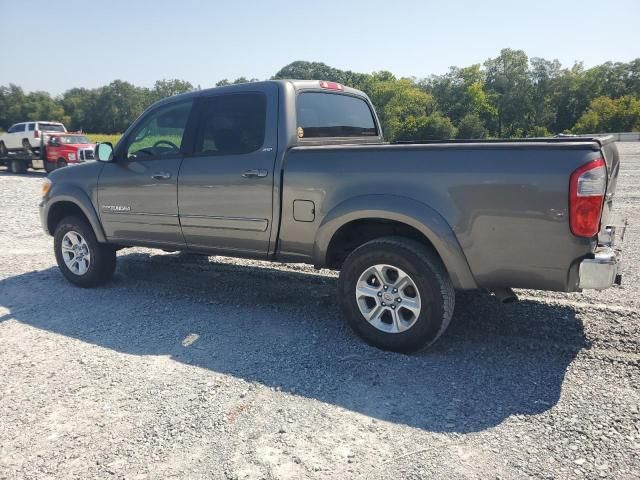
pixel 400 209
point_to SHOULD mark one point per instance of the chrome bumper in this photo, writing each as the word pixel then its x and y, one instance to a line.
pixel 603 269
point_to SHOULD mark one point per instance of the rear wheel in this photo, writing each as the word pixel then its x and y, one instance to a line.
pixel 396 294
pixel 26 146
pixel 81 258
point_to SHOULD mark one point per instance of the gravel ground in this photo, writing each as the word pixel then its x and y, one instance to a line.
pixel 188 367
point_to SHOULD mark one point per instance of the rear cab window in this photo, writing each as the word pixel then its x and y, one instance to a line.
pixel 51 127
pixel 333 115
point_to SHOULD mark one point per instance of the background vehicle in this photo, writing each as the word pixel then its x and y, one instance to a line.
pixel 55 151
pixel 64 149
pixel 27 136
pixel 298 171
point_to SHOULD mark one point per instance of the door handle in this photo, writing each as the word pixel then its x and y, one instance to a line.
pixel 254 172
pixel 161 176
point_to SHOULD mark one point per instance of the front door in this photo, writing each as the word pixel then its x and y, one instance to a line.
pixel 137 192
pixel 225 189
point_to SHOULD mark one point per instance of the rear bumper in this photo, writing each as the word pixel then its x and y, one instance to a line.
pixel 602 270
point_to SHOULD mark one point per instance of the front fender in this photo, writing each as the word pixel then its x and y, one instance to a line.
pixel 75 195
pixel 400 209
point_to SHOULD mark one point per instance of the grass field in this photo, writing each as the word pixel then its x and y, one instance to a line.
pixel 104 137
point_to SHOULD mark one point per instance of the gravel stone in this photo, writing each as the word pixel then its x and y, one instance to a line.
pixel 159 375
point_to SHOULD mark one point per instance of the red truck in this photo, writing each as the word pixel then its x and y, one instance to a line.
pixel 65 148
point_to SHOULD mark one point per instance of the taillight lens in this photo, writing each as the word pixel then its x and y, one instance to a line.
pixel 586 195
pixel 36 133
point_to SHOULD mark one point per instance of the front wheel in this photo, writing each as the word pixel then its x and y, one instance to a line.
pixel 81 258
pixel 396 294
pixel 61 163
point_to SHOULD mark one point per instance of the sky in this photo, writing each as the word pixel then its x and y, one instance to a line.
pixel 56 46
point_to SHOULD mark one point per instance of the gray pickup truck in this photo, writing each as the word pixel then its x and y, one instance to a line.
pixel 298 171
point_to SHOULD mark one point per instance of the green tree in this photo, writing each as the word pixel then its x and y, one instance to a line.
pixel 506 96
pixel 40 106
pixel 427 127
pixel 12 99
pixel 509 87
pixel 397 101
pixel 167 88
pixel 79 105
pixel 302 70
pixel 472 126
pixel 116 106
pixel 539 131
pixel 606 115
pixel 544 76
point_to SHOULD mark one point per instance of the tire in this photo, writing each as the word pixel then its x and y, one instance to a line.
pixel 422 305
pixel 61 163
pixel 18 166
pixel 26 146
pixel 93 271
pixel 3 150
pixel 49 166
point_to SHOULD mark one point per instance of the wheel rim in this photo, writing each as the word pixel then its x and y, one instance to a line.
pixel 388 298
pixel 75 253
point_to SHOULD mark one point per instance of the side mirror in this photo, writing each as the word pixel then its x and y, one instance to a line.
pixel 104 152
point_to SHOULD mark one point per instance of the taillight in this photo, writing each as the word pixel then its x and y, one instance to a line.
pixel 586 195
pixel 331 85
pixel 36 134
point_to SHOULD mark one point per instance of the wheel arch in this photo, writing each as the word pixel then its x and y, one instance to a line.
pixel 364 218
pixel 71 203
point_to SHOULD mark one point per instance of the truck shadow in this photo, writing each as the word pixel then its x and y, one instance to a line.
pixel 282 329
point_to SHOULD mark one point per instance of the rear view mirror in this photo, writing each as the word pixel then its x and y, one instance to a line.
pixel 104 152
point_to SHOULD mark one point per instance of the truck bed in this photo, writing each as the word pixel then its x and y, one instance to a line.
pixel 506 201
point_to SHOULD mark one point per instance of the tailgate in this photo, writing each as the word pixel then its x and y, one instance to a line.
pixel 612 159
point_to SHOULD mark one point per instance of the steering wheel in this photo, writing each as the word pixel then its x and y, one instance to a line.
pixel 166 142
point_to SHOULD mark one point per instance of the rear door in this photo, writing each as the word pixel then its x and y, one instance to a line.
pixel 137 193
pixel 225 189
pixel 31 127
pixel 16 134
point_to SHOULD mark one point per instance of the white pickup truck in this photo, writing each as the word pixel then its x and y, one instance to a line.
pixel 27 136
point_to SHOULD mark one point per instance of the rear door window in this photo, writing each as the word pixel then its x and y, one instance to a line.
pixel 32 127
pixel 232 124
pixel 334 115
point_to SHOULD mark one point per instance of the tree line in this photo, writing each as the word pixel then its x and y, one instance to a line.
pixel 510 95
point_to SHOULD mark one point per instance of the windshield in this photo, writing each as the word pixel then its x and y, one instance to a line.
pixel 74 139
pixel 51 127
